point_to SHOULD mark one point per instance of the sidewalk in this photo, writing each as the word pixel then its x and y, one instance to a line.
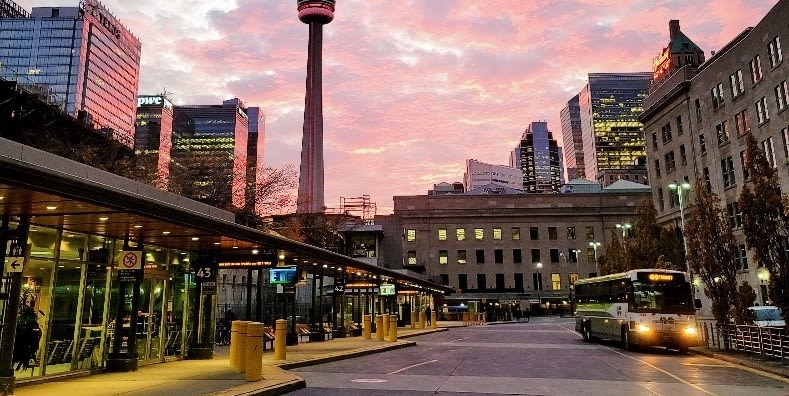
pixel 751 361
pixel 215 377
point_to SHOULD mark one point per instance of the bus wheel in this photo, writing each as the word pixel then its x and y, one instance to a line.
pixel 683 349
pixel 626 344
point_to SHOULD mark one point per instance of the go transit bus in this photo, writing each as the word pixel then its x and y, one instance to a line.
pixel 639 307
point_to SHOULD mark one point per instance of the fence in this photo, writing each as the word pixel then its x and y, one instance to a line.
pixel 765 342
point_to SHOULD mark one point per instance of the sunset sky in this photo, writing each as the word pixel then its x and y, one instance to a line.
pixel 412 88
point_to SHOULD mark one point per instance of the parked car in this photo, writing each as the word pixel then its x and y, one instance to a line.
pixel 767 316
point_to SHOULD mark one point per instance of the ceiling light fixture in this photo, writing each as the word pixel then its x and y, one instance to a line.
pixel 51 207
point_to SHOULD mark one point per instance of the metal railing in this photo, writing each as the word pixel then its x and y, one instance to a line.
pixel 765 342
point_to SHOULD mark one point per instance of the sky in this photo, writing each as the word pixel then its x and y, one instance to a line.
pixel 411 88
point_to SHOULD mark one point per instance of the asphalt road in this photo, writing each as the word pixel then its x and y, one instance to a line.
pixel 543 357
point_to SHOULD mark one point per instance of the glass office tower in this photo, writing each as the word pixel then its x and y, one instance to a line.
pixel 82 58
pixel 539 159
pixel 153 138
pixel 613 138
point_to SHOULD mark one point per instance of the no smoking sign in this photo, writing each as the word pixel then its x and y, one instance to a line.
pixel 130 260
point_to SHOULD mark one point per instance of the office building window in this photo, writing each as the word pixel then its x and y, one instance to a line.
pixel 762 114
pixel 481 283
pixel 480 256
pixel 535 255
pixel 554 255
pixel 705 172
pixel 658 173
pixel 534 233
pixel 782 95
pixel 552 234
pixel 785 138
pixel 445 279
pixel 671 165
pixel 769 151
pixel 570 232
pixel 500 282
pixel 479 234
pixel 516 233
pixel 412 257
pixel 743 159
pixel 666 131
pixel 443 257
pixel 742 120
pixel 573 255
pixel 497 234
pixel 717 96
pixel 519 282
pixel 776 54
pixel 756 69
pixel 556 281
pixel 661 204
pixel 460 233
pixel 516 256
pixel 573 278
pixel 680 129
pixel 498 256
pixel 683 156
pixel 410 235
pixel 463 282
pixel 727 170
pixel 723 132
pixel 702 143
pixel 537 280
pixel 735 217
pixel 589 232
pixel 590 255
pixel 442 234
pixel 654 140
pixel 461 257
pixel 697 104
pixel 737 86
pixel 741 257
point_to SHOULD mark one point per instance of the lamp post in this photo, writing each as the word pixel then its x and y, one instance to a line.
pixel 625 227
pixel 538 265
pixel 595 245
pixel 682 188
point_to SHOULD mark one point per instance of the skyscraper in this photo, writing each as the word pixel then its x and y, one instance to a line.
pixel 153 138
pixel 539 161
pixel 613 137
pixel 315 13
pixel 572 138
pixel 82 58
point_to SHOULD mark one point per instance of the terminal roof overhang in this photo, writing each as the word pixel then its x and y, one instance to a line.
pixel 33 181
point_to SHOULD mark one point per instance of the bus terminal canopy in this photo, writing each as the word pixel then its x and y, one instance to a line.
pixel 60 193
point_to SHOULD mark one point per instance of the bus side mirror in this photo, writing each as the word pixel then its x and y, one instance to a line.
pixel 697 303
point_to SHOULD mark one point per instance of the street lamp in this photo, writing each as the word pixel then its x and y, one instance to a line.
pixel 595 245
pixel 682 188
pixel 625 227
pixel 538 265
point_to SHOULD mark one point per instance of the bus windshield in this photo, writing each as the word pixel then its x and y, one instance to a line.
pixel 666 298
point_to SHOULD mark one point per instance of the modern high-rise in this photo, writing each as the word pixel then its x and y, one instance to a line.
pixel 80 57
pixel 697 119
pixel 153 137
pixel 572 139
pixel 314 13
pixel 479 174
pixel 612 136
pixel 255 150
pixel 539 159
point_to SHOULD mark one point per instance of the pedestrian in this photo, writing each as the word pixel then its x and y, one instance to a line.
pixel 427 316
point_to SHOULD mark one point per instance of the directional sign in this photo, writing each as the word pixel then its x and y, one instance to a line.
pixel 130 260
pixel 14 264
pixel 15 248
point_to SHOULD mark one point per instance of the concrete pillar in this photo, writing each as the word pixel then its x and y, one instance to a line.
pixel 254 352
pixel 241 351
pixel 433 319
pixel 379 327
pixel 386 324
pixel 414 318
pixel 280 332
pixel 393 328
pixel 366 327
pixel 234 344
pixel 421 323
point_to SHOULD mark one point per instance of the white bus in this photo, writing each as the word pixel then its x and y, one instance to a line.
pixel 639 307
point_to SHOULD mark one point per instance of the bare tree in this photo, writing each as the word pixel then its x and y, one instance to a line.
pixel 711 250
pixel 765 218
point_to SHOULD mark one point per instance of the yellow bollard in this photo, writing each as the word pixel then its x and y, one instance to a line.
pixel 393 328
pixel 421 323
pixel 254 355
pixel 433 319
pixel 386 324
pixel 413 319
pixel 234 344
pixel 366 330
pixel 280 330
pixel 379 327
pixel 241 350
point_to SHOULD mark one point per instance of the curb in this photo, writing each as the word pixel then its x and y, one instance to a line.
pixel 740 362
pixel 343 356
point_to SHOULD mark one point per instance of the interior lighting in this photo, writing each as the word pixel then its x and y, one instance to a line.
pixel 103 218
pixel 255 251
pixel 165 232
pixel 195 238
pixel 51 207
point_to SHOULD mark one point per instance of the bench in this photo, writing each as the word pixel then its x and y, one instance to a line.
pixel 268 337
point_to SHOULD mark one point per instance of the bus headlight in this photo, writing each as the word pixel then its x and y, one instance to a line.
pixel 690 331
pixel 642 328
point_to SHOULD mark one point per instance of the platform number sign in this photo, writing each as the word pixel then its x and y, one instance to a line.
pixel 206 268
pixel 204 273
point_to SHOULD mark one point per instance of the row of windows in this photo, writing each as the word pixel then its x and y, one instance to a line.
pixel 518 285
pixel 496 233
pixel 461 256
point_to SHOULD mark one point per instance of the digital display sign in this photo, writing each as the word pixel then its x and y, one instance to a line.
pixel 282 275
pixel 386 289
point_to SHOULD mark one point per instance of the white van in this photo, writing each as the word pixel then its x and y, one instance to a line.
pixel 767 316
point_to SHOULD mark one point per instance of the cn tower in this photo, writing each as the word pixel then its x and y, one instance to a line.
pixel 315 13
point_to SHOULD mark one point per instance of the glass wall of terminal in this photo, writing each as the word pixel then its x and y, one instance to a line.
pixel 69 301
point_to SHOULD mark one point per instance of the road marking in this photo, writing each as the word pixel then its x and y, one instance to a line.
pixel 571 331
pixel 412 366
pixel 458 339
pixel 369 380
pixel 706 365
pixel 661 370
